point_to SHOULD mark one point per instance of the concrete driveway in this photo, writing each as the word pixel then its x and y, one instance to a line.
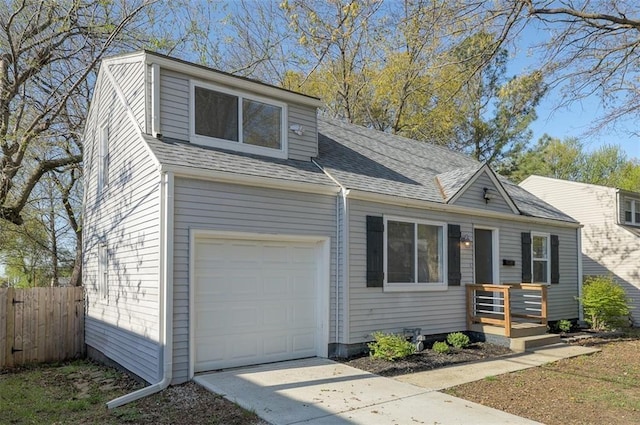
pixel 321 391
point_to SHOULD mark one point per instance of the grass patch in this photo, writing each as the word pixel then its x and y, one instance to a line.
pixel 69 393
pixel 76 393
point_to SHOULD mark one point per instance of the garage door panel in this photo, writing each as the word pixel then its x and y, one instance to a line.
pixel 303 343
pixel 258 304
pixel 276 345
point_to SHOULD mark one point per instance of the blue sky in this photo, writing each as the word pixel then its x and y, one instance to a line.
pixel 577 119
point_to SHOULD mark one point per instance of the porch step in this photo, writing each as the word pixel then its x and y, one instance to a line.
pixel 526 343
pixel 518 330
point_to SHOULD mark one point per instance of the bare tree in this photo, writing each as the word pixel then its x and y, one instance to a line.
pixel 593 50
pixel 48 51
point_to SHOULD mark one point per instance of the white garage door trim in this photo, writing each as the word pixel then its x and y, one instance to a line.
pixel 322 288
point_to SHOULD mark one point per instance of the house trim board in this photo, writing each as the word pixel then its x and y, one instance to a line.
pixel 240 145
pixel 455 209
pixel 495 252
pixel 165 297
pixel 213 75
pixel 580 275
pixel 130 113
pixel 247 180
pixel 323 293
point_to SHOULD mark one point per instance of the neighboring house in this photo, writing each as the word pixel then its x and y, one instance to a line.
pixel 226 224
pixel 611 232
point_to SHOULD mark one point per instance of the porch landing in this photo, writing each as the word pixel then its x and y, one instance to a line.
pixel 524 336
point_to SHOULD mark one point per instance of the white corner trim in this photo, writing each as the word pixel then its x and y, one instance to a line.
pixel 580 275
pixel 155 100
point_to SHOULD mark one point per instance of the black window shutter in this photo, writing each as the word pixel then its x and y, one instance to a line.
pixel 375 260
pixel 555 259
pixel 453 248
pixel 526 257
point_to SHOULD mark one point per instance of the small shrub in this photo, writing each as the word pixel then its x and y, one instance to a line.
pixel 605 303
pixel 458 340
pixel 390 346
pixel 564 325
pixel 440 347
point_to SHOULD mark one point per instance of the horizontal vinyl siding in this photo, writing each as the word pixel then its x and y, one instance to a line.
pixel 371 309
pixel 130 78
pixel 174 105
pixel 473 197
pixel 608 248
pixel 126 216
pixel 206 205
pixel 303 147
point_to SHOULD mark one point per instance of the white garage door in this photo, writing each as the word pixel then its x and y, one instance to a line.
pixel 255 302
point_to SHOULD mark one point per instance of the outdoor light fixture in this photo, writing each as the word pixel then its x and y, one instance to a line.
pixel 297 128
pixel 487 195
pixel 465 240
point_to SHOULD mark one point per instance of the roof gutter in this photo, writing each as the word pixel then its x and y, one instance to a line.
pixel 415 203
pixel 166 296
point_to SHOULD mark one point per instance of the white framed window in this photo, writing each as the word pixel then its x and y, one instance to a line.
pixel 540 257
pixel 229 119
pixel 414 252
pixel 103 272
pixel 632 211
pixel 103 159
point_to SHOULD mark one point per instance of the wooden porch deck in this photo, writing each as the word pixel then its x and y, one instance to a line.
pixel 512 310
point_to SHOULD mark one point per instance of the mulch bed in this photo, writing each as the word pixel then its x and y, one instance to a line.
pixel 427 359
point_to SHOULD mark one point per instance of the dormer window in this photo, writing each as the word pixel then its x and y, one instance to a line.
pixel 228 119
pixel 632 211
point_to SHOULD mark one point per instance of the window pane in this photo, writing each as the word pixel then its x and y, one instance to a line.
pixel 400 252
pixel 540 247
pixel 261 124
pixel 627 210
pixel 540 272
pixel 429 253
pixel 216 114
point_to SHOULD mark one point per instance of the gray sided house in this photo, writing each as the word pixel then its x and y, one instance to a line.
pixel 226 224
pixel 611 228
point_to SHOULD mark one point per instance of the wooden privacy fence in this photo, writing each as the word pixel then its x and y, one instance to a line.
pixel 41 325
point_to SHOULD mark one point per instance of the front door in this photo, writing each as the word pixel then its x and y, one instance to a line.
pixel 483 243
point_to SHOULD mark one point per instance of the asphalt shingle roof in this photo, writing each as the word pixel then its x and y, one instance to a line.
pixel 358 158
pixel 373 161
pixel 176 152
pixel 452 181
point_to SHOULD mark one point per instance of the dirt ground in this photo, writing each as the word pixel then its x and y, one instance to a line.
pixel 603 388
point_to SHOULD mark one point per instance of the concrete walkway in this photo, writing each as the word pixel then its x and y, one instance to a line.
pixel 320 391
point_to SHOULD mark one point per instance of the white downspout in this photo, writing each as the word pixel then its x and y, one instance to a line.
pixel 166 296
pixel 343 193
pixel 580 277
